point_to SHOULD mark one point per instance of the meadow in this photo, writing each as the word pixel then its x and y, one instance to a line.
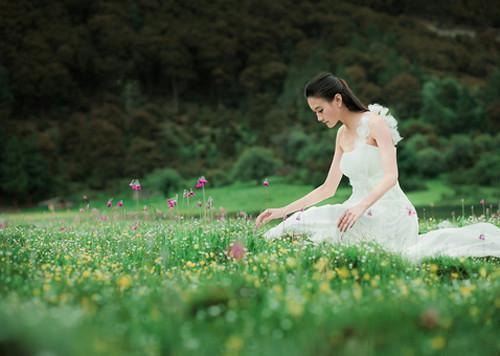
pixel 141 282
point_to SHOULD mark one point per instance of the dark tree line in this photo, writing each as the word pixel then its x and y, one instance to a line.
pixel 92 91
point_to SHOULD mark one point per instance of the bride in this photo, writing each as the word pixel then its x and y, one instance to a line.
pixel 377 210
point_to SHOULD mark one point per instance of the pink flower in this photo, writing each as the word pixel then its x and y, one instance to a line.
pixel 103 218
pixel 3 225
pixel 236 250
pixel 171 202
pixel 82 210
pixel 62 228
pixel 109 203
pixel 482 237
pixel 134 227
pixel 411 211
pixel 135 185
pixel 198 203
pixel 191 193
pixel 120 203
pixel 201 182
pixel 265 183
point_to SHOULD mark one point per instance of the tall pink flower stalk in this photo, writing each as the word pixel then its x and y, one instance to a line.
pixel 265 183
pixel 135 185
pixel 201 184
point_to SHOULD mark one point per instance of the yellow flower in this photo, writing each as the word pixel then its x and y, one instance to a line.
pixel 366 277
pixel 124 281
pixel 324 287
pixel 343 272
pixel 482 272
pixel 466 290
pixel 294 308
pixel 278 289
pixel 234 344
pixel 357 292
pixel 321 264
pixel 434 268
pixel 291 262
pixel 438 342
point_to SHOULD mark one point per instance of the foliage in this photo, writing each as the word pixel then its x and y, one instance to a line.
pixel 165 180
pixel 255 163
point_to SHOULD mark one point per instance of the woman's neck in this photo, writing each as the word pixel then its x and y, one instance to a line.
pixel 350 119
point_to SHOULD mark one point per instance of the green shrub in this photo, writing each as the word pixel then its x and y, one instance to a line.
pixel 430 162
pixel 165 180
pixel 255 163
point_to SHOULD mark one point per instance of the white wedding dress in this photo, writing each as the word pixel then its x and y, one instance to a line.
pixel 392 220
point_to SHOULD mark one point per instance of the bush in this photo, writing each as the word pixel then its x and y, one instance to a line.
pixel 412 183
pixel 255 163
pixel 487 169
pixel 164 180
pixel 430 162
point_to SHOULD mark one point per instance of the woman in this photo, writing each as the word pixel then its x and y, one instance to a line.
pixel 377 210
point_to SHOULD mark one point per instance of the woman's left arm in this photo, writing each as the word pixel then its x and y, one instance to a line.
pixel 382 134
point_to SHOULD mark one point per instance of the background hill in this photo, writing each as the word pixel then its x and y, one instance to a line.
pixel 95 91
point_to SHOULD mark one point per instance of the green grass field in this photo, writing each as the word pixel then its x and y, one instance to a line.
pixel 80 285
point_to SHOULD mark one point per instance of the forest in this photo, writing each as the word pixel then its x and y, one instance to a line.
pixel 95 92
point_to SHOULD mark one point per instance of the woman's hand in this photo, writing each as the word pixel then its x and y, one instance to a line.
pixel 350 216
pixel 268 215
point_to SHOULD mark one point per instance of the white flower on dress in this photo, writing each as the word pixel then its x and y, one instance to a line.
pixel 391 121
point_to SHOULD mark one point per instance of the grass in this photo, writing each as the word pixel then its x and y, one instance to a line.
pixel 253 198
pixel 80 285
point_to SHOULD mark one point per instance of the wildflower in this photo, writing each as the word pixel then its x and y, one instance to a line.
pixel 482 237
pixel 198 203
pixel 82 210
pixel 342 272
pixel 265 183
pixel 109 203
pixel 171 203
pixel 201 182
pixel 135 184
pixel 120 203
pixel 103 218
pixel 134 226
pixel 236 251
pixel 482 202
pixel 234 344
pixel 191 193
pixel 124 282
pixel 438 342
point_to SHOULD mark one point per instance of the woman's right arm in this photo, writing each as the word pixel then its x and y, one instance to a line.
pixel 327 189
pixel 324 191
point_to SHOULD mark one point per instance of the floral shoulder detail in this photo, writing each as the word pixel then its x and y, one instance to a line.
pixel 391 121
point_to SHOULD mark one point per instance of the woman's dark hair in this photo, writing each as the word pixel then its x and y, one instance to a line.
pixel 326 85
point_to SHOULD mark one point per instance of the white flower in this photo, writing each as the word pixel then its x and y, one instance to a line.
pixel 391 121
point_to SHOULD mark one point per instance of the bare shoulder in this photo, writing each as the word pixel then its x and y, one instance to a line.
pixel 375 120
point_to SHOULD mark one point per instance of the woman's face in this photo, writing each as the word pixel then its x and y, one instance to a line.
pixel 326 112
